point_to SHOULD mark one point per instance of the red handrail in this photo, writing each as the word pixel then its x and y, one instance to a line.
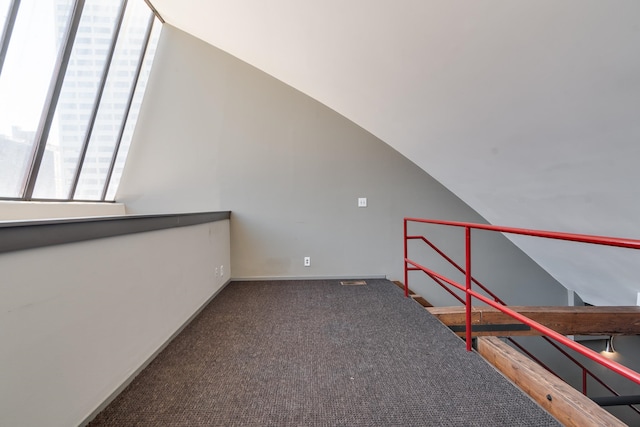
pixel 600 240
pixel 584 369
pixel 453 263
pixel 583 238
pixel 611 365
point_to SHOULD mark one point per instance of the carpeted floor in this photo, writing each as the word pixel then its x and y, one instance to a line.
pixel 315 353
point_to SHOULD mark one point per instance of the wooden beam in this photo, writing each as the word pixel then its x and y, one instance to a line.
pixel 565 403
pixel 417 298
pixel 423 302
pixel 564 320
pixel 398 284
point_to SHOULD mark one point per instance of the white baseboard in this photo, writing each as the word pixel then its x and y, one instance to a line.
pixel 261 278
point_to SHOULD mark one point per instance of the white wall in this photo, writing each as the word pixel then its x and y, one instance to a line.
pixel 20 211
pixel 526 110
pixel 77 320
pixel 216 134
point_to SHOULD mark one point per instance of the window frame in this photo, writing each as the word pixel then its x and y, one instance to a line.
pixel 54 91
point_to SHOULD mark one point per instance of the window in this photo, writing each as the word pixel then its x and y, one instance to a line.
pixel 132 118
pixel 24 84
pixel 66 101
pixel 4 12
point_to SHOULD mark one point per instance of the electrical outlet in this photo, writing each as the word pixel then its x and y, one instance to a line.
pixel 307 261
pixel 222 271
pixel 216 272
pixel 362 202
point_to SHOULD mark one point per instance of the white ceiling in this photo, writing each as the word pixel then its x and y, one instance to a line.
pixel 528 110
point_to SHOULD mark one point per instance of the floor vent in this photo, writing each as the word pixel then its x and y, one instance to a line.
pixel 353 283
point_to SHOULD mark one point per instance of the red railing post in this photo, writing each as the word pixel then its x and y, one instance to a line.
pixel 548 334
pixel 406 266
pixel 467 233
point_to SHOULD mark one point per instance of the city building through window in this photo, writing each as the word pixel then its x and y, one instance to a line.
pixel 72 78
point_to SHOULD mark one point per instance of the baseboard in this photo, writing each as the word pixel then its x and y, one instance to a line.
pixel 146 363
pixel 345 277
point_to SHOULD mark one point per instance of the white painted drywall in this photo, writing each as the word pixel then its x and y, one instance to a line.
pixel 526 110
pixel 20 211
pixel 77 320
pixel 216 134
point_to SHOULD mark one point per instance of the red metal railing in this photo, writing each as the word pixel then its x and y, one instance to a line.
pixel 548 333
pixel 586 372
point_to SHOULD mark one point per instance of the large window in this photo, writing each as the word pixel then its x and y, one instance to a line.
pixel 72 76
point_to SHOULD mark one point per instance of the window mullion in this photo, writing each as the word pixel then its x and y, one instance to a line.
pixel 51 101
pixel 7 30
pixel 128 107
pixel 96 105
pixel 154 11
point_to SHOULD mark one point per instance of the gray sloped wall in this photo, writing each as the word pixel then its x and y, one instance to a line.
pixel 525 110
pixel 215 133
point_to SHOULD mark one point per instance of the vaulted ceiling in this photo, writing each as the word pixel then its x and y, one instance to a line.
pixel 528 111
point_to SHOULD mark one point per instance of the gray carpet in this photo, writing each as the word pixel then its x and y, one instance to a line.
pixel 315 353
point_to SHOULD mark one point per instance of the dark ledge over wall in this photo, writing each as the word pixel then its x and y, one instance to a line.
pixel 19 235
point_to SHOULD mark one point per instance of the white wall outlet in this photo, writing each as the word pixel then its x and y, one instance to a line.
pixel 222 271
pixel 362 202
pixel 216 272
pixel 307 261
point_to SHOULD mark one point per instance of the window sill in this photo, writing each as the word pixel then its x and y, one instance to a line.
pixel 31 234
pixel 20 211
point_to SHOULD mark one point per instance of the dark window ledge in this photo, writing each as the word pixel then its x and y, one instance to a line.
pixel 19 235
